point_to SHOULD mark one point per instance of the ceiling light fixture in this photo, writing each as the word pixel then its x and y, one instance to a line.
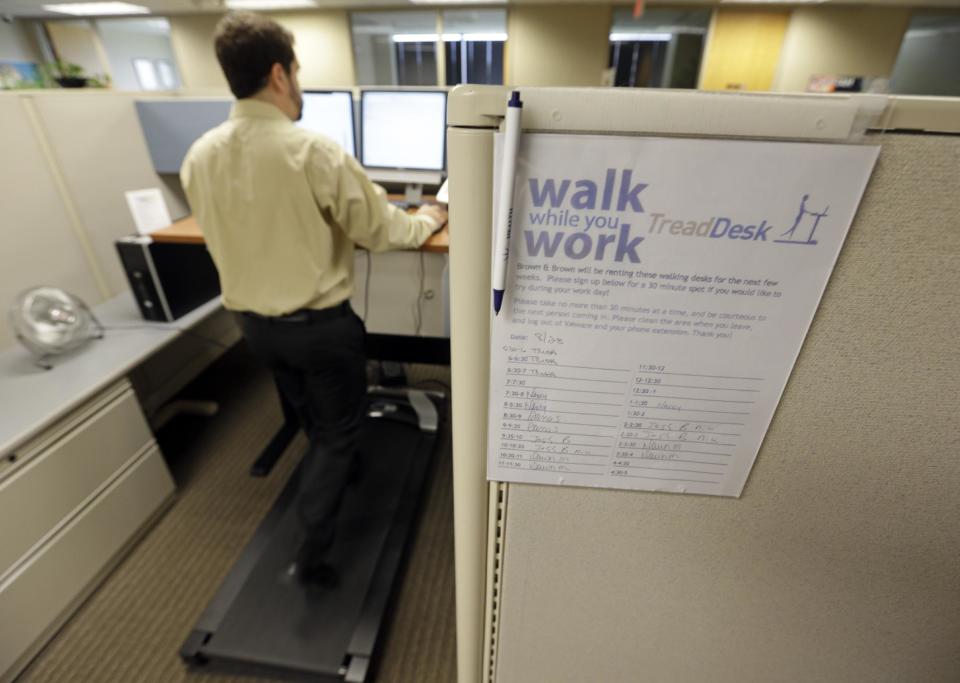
pixel 640 37
pixel 448 37
pixel 87 9
pixel 270 4
pixel 458 2
pixel 772 2
pixel 483 37
pixel 414 37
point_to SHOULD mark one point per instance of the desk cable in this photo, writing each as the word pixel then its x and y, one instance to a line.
pixel 418 313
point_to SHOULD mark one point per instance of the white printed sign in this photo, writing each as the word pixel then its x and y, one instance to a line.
pixel 658 294
pixel 148 209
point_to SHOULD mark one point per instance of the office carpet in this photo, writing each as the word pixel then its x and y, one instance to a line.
pixel 131 629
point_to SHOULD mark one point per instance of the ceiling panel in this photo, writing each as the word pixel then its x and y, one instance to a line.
pixel 34 8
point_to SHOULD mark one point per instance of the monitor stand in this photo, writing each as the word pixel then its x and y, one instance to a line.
pixel 413 194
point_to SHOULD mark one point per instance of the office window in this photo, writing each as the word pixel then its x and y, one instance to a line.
pixel 147 77
pixel 167 74
pixel 928 58
pixel 416 61
pixel 661 49
pixel 395 48
pixel 140 53
pixel 473 45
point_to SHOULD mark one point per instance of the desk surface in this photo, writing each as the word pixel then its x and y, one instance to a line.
pixel 186 231
pixel 33 398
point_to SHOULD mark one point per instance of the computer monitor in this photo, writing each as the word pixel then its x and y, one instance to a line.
pixel 330 113
pixel 403 129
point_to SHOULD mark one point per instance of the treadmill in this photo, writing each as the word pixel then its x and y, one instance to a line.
pixel 263 621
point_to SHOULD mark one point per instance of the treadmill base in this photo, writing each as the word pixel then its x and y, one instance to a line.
pixel 263 621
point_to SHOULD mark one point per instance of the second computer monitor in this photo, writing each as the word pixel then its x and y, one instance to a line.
pixel 403 129
pixel 330 113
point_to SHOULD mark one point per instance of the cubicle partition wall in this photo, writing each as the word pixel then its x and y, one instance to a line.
pixel 405 289
pixel 72 155
pixel 839 561
pixel 68 158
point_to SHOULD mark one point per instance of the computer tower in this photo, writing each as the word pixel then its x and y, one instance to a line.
pixel 168 280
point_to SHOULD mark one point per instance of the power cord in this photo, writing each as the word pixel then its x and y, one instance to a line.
pixel 418 318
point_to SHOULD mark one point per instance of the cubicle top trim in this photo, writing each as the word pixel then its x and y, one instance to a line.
pixel 825 118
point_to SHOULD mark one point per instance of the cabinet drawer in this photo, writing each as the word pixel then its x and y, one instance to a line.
pixel 40 594
pixel 39 497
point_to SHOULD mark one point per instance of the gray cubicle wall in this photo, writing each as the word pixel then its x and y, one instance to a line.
pixel 70 156
pixel 100 150
pixel 38 238
pixel 840 561
pixel 170 127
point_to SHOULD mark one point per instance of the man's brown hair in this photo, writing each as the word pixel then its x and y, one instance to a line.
pixel 248 45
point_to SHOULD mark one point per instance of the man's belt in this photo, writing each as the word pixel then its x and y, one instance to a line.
pixel 304 315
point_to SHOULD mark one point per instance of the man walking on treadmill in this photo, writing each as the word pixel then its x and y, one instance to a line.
pixel 281 209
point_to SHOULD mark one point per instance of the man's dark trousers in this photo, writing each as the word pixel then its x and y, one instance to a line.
pixel 318 360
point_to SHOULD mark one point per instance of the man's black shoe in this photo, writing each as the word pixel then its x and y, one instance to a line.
pixel 321 575
pixel 311 563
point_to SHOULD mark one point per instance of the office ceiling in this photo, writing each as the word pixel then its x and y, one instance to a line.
pixel 34 8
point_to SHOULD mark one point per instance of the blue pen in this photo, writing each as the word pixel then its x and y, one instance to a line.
pixel 504 217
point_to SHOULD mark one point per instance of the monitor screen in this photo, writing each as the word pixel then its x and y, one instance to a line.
pixel 330 113
pixel 403 129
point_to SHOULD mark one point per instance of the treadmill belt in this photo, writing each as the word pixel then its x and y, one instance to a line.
pixel 275 621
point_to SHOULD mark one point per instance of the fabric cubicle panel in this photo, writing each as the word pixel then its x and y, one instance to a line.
pixel 38 242
pixel 839 562
pixel 99 146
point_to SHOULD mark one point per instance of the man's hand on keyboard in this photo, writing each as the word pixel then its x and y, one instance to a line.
pixel 434 211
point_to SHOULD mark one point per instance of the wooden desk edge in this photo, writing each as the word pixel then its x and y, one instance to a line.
pixel 186 231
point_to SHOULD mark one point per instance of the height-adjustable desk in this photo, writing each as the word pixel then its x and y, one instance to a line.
pixel 186 231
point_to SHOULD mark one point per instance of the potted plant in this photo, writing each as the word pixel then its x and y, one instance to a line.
pixel 65 74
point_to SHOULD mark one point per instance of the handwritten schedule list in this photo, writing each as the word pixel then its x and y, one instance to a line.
pixel 657 362
pixel 649 422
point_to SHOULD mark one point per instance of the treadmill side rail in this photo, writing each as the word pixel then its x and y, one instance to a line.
pixel 426 411
pixel 357 671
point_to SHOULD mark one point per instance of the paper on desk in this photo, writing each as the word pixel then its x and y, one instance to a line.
pixel 658 294
pixel 148 209
pixel 443 194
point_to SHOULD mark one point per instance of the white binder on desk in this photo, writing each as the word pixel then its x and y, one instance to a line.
pixel 562 583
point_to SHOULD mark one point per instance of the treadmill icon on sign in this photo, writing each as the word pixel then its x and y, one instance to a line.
pixel 813 221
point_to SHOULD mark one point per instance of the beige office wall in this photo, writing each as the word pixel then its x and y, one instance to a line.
pixel 839 563
pixel 191 36
pixel 78 42
pixel 99 146
pixel 16 43
pixel 743 49
pixel 557 44
pixel 322 43
pixel 38 244
pixel 323 46
pixel 855 41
